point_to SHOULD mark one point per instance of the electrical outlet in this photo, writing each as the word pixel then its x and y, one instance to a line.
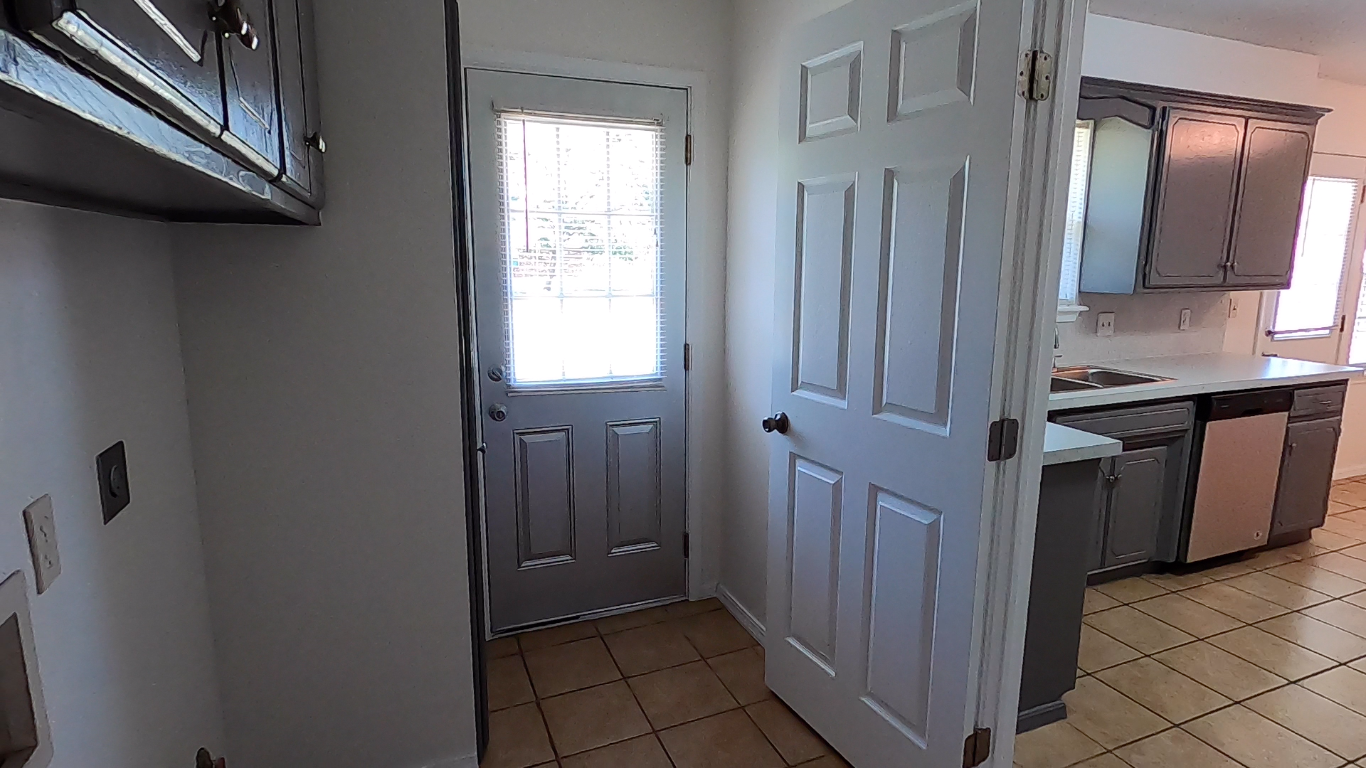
pixel 42 542
pixel 1105 324
pixel 1185 322
pixel 1232 307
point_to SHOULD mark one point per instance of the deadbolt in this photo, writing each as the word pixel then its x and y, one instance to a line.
pixel 498 412
pixel 496 373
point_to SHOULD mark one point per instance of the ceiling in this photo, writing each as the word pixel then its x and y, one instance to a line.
pixel 1335 30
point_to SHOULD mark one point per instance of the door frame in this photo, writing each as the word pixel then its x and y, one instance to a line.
pixel 1026 316
pixel 702 329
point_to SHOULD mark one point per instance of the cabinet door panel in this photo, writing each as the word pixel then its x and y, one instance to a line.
pixel 1306 475
pixel 1197 186
pixel 1275 167
pixel 163 52
pixel 302 169
pixel 253 126
pixel 1136 502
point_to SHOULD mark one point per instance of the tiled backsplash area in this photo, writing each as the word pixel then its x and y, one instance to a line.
pixel 1145 326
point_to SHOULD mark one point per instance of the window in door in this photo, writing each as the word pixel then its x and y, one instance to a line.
pixel 581 216
pixel 1069 295
pixel 1310 307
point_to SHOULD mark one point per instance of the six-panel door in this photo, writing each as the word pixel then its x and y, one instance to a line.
pixel 894 161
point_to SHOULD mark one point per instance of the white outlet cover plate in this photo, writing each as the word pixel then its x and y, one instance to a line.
pixel 41 523
pixel 1185 323
pixel 1105 324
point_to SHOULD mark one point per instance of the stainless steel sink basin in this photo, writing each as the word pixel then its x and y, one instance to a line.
pixel 1089 377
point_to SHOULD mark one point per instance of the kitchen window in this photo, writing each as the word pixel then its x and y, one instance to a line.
pixel 1069 293
pixel 1322 315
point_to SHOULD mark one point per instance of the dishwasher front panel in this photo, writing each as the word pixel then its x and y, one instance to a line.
pixel 1235 492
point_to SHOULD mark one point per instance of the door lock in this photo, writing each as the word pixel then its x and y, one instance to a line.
pixel 496 373
pixel 778 422
pixel 498 412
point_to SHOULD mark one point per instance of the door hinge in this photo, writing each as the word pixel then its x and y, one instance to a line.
pixel 687 149
pixel 687 548
pixel 1036 75
pixel 1003 440
pixel 1342 325
pixel 977 747
pixel 687 357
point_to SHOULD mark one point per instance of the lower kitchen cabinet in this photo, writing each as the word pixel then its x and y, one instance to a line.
pixel 1311 449
pixel 1133 506
pixel 1138 516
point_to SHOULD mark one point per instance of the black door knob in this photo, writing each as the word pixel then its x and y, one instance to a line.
pixel 778 422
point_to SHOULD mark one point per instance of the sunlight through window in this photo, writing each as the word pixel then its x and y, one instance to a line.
pixel 582 221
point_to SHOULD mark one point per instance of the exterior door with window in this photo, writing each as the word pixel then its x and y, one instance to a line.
pixel 1314 318
pixel 579 202
pixel 895 139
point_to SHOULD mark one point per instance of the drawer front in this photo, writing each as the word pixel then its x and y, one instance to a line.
pixel 1143 420
pixel 1319 401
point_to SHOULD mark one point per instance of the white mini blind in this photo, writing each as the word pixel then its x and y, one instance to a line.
pixel 1077 185
pixel 582 224
pixel 1310 306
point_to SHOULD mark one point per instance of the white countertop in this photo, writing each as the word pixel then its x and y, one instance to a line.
pixel 1064 445
pixel 1200 375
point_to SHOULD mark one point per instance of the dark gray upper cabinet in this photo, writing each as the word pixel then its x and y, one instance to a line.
pixel 1275 166
pixel 1191 191
pixel 301 130
pixel 162 52
pixel 187 110
pixel 253 118
pixel 1197 188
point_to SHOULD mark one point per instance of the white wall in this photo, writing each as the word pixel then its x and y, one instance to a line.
pixel 637 40
pixel 760 27
pixel 323 377
pixel 89 355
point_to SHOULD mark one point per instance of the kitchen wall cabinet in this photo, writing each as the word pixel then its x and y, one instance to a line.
pixel 187 110
pixel 1138 516
pixel 1311 447
pixel 1191 191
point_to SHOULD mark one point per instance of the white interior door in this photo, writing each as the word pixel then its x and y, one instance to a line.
pixel 1313 319
pixel 897 127
pixel 579 195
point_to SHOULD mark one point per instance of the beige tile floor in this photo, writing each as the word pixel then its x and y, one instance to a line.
pixel 1256 664
pixel 675 687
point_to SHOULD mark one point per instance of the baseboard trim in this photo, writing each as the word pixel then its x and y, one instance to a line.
pixel 468 761
pixel 1346 473
pixel 742 614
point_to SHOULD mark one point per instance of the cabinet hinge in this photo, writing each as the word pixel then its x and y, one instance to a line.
pixel 1003 440
pixel 687 357
pixel 687 150
pixel 977 747
pixel 1036 75
pixel 686 546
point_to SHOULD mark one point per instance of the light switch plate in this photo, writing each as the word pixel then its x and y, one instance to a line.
pixel 1105 324
pixel 42 542
pixel 1185 322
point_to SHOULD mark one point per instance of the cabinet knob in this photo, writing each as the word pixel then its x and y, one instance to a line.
pixel 233 20
pixel 316 141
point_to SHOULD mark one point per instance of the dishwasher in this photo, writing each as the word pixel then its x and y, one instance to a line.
pixel 1240 438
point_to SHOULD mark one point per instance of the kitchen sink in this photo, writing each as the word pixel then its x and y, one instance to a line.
pixel 1088 377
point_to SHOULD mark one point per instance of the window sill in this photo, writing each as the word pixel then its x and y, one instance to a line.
pixel 1069 313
